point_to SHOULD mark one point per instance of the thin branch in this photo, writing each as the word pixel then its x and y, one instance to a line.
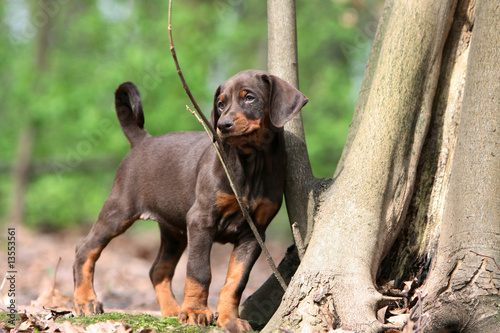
pixel 184 83
pixel 482 255
pixel 392 298
pixel 298 240
pixel 222 156
pixel 392 326
pixel 422 318
pixel 55 274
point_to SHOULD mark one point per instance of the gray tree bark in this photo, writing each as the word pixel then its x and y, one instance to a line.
pixel 282 61
pixel 463 289
pixel 428 108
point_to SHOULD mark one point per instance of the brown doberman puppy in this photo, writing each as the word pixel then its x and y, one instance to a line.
pixel 177 180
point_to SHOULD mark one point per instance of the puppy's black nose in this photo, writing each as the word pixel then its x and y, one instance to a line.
pixel 225 125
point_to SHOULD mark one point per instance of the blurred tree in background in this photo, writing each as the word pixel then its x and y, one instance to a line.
pixel 60 61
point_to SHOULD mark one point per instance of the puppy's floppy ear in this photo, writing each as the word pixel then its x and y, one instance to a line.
pixel 285 101
pixel 214 117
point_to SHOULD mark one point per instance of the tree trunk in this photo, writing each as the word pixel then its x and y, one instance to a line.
pixel 46 11
pixel 393 180
pixel 21 167
pixel 20 175
pixel 463 288
pixel 282 61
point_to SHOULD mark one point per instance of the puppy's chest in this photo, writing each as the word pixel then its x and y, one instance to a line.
pixel 261 209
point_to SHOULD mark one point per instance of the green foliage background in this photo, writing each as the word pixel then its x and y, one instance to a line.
pixel 60 61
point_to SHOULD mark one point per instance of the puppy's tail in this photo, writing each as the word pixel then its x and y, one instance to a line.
pixel 128 106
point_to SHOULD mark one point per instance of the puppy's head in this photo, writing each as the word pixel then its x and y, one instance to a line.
pixel 252 103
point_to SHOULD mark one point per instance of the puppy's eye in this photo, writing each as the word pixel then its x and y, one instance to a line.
pixel 220 105
pixel 249 98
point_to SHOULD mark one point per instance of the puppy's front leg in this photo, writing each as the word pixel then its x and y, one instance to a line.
pixel 194 310
pixel 243 257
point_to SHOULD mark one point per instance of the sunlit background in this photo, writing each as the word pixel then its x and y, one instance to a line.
pixel 61 60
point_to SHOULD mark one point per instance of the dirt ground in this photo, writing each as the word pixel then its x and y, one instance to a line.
pixel 122 272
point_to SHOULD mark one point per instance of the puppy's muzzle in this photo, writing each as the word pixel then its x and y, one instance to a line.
pixel 225 125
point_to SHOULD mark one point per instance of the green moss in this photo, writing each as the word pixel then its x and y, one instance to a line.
pixel 135 321
pixel 5 318
pixel 138 322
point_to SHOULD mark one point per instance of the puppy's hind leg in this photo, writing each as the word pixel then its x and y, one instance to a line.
pixel 112 221
pixel 162 271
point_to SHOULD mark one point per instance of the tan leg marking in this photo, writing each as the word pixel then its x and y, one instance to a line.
pixel 194 309
pixel 229 299
pixel 85 301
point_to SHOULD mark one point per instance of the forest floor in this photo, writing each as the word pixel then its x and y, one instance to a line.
pixel 122 273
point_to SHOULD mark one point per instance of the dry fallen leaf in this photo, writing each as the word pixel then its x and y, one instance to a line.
pixel 108 327
pixel 407 286
pixel 381 314
pixel 51 298
pixel 30 322
pixel 399 320
pixel 67 327
pixel 398 311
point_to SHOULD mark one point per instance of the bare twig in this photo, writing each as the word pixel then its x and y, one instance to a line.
pixel 482 255
pixel 55 273
pixel 222 156
pixel 298 240
pixel 392 298
pixel 244 210
pixel 181 76
pixel 420 323
pixel 392 326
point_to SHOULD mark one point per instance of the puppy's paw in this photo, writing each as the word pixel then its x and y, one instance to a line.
pixel 197 317
pixel 88 307
pixel 234 325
